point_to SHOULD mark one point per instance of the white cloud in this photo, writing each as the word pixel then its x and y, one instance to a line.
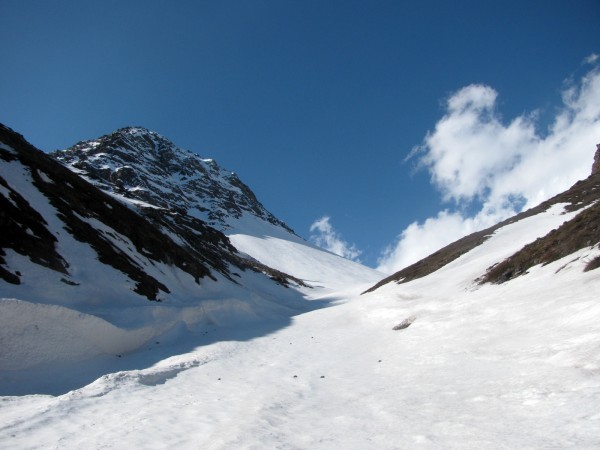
pixel 326 237
pixel 475 159
pixel 421 239
pixel 592 59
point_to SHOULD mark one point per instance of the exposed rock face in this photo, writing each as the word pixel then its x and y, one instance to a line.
pixel 78 205
pixel 142 165
pixel 41 201
pixel 596 165
pixel 181 193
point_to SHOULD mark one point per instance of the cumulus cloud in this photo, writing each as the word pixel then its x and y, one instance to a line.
pixel 421 239
pixel 326 237
pixel 479 162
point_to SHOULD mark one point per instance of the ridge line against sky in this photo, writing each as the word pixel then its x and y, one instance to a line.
pixel 315 105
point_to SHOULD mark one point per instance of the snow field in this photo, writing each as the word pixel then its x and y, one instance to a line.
pixel 495 366
pixel 275 247
pixel 93 313
pixel 509 366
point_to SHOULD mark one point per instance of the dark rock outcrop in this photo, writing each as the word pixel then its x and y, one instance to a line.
pixel 122 238
pixel 77 203
pixel 179 192
pixel 446 255
pixel 142 165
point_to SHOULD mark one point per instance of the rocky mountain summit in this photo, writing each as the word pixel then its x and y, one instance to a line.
pixel 148 169
pixel 189 198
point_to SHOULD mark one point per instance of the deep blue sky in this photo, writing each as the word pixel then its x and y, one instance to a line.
pixel 315 104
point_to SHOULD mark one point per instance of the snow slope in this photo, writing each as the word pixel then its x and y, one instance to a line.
pixel 327 274
pixel 78 304
pixel 514 365
pixel 80 308
pixel 146 170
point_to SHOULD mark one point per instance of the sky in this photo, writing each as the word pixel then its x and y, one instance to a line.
pixel 380 130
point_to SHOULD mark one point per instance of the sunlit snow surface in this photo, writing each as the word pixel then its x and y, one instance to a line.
pixel 515 365
pixel 276 247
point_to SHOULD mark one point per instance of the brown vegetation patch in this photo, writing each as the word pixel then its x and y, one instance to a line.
pixel 582 233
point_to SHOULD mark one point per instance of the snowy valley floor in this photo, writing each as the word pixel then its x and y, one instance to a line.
pixel 509 366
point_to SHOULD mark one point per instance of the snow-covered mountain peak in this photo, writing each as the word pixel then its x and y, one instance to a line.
pixel 183 192
pixel 149 170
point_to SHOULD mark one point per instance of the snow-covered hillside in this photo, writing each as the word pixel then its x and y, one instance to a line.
pixel 494 366
pixel 146 170
pixel 446 354
pixel 78 268
pixel 325 272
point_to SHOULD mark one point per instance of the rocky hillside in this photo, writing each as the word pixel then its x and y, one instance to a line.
pixel 44 204
pixel 149 170
pixel 580 232
pixel 189 198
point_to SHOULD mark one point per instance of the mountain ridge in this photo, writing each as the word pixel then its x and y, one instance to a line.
pixel 142 165
pixel 120 237
pixel 86 276
pixel 577 233
pixel 188 197
pixel 181 193
pixel 76 201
